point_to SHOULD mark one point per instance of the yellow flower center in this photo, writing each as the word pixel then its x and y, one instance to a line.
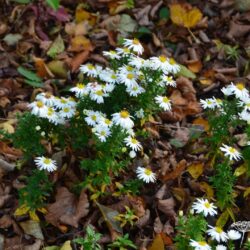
pixel 218 100
pixel 47 161
pixel 207 204
pixel 165 99
pixel 163 59
pixel 113 77
pixel 103 133
pixel 126 50
pixel 80 86
pixel 218 230
pixel 130 76
pixel 248 104
pixel 112 52
pixel 91 66
pixel 135 88
pixel 136 42
pixel 172 61
pixel 169 78
pixel 240 86
pixel 66 110
pixel 50 112
pixel 129 68
pixel 99 92
pixel 124 114
pixel 147 171
pixel 232 150
pixel 93 117
pixel 107 121
pixel 202 243
pixel 39 104
pixel 209 102
pixel 63 101
pixel 134 141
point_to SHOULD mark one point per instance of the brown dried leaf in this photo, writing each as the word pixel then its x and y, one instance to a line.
pixel 157 244
pixel 78 60
pixel 144 220
pixel 181 166
pixel 66 209
pixel 167 206
pixel 158 226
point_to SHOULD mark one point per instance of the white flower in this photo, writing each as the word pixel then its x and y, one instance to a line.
pixel 93 117
pixel 134 45
pixel 217 234
pixel 108 76
pixel 220 247
pixel 204 207
pixel 145 174
pixel 208 103
pixel 132 154
pixel 123 119
pixel 67 112
pixel 105 122
pixel 38 128
pixel 112 54
pixel 234 234
pixel 167 81
pixel 135 90
pixel 47 98
pixel 98 95
pixel 90 69
pixel 53 116
pixel 80 90
pixel 102 132
pixel 227 91
pixel 140 114
pixel 199 245
pixel 129 79
pixel 163 102
pixel 239 90
pixel 231 152
pixel 123 51
pixel 245 116
pixel 137 62
pixel 38 108
pixel 62 102
pixel 165 64
pixel 133 143
pixel 45 163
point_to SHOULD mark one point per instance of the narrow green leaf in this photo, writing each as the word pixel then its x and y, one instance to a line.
pixel 21 1
pixel 164 13
pixel 54 4
pixel 33 83
pixel 184 71
pixel 28 74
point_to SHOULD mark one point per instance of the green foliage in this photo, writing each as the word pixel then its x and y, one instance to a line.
pixel 247 245
pixel 54 4
pixel 90 241
pixel 31 78
pixel 130 4
pixel 34 194
pixel 189 227
pixel 164 13
pixel 127 218
pixel 122 243
pixel 223 181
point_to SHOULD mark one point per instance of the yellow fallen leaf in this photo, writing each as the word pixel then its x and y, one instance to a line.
pixel 182 16
pixel 83 15
pixel 195 169
pixel 222 220
pixel 202 122
pixel 8 126
pixel 22 210
pixel 80 43
pixel 207 189
pixel 240 170
pixel 246 192
pixel 33 215
pixel 157 244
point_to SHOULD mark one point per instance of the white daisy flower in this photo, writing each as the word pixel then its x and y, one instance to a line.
pixel 123 51
pixel 47 98
pixel 135 90
pixel 239 90
pixel 52 116
pixel 93 117
pixel 204 207
pixel 173 67
pixel 245 116
pixel 67 112
pixel 129 79
pixel 145 174
pixel 89 69
pixel 102 132
pixel 133 143
pixel 165 64
pixel 208 103
pixel 123 119
pixel 140 113
pixel 80 90
pixel 108 76
pixel 227 91
pixel 112 54
pixel 62 102
pixel 220 247
pixel 38 108
pixel 109 87
pixel 199 245
pixel 234 234
pixel 217 234
pixel 98 95
pixel 231 152
pixel 126 69
pixel 137 62
pixel 163 102
pixel 105 122
pixel 167 81
pixel 45 163
pixel 245 102
pixel 134 45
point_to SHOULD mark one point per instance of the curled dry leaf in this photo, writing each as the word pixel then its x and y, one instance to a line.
pixel 237 30
pixel 181 166
pixel 67 209
pixel 144 220
pixel 167 206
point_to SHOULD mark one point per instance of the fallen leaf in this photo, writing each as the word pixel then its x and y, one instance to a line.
pixel 201 122
pixel 42 69
pixel 58 68
pixel 240 170
pixel 183 16
pixel 67 209
pixel 78 60
pixel 56 47
pixel 83 15
pixel 196 169
pixel 12 39
pixel 184 71
pixel 126 25
pixel 222 220
pixel 32 228
pixel 246 192
pixel 181 166
pixel 167 206
pixel 79 43
pixel 205 187
pixel 35 246
pixel 157 244
pixel 195 66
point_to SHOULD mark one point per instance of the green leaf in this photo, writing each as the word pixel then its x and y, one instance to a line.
pixel 31 77
pixel 54 4
pixel 177 143
pixel 22 1
pixel 56 48
pixel 127 24
pixel 184 71
pixel 164 13
pixel 144 30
